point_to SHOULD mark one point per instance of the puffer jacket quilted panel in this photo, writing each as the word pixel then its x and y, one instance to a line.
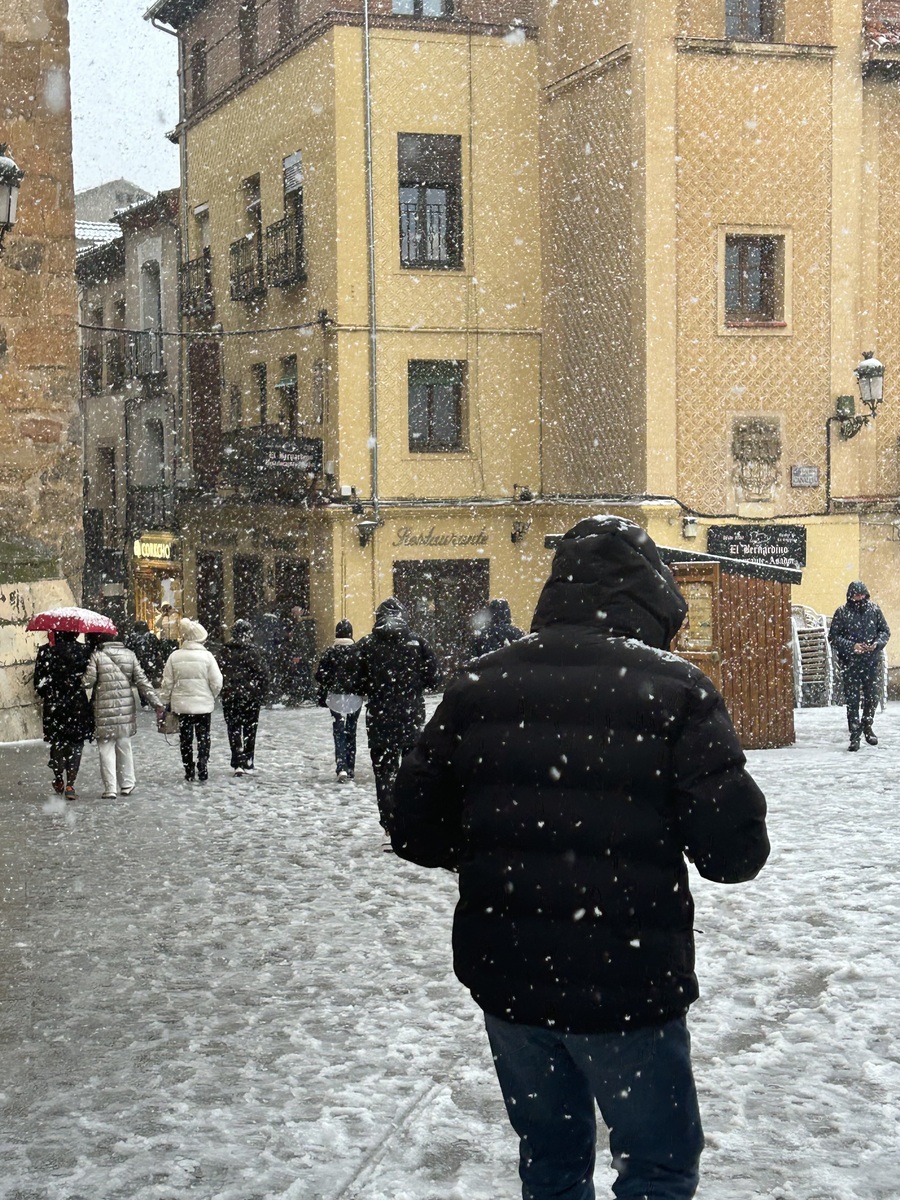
pixel 191 680
pixel 111 674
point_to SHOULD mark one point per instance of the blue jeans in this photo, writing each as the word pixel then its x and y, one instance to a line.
pixel 644 1087
pixel 344 730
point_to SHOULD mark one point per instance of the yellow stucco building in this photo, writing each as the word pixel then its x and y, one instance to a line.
pixel 720 246
pixel 362 294
pixel 457 275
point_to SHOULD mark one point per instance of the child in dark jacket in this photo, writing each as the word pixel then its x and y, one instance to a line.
pixel 244 690
pixel 336 694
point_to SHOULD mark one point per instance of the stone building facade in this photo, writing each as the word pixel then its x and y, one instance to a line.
pixel 40 427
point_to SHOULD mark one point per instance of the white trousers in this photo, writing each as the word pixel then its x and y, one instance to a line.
pixel 116 763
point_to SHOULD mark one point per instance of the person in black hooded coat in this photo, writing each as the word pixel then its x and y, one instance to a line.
pixel 68 720
pixel 859 634
pixel 566 777
pixel 391 667
pixel 245 685
pixel 498 632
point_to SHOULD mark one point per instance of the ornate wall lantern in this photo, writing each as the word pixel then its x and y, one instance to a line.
pixel 10 181
pixel 870 377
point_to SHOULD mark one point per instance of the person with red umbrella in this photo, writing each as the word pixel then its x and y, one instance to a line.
pixel 67 718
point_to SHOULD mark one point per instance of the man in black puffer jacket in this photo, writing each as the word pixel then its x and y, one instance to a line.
pixel 566 777
pixel 391 667
pixel 859 634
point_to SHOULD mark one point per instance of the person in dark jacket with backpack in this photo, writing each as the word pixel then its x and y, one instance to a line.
pixel 245 685
pixel 859 634
pixel 335 683
pixel 68 720
pixel 391 667
pixel 498 632
pixel 567 777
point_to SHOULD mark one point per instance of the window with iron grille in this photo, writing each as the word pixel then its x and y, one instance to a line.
pixel 754 280
pixel 430 187
pixel 422 8
pixel 436 405
pixel 92 363
pixel 247 266
pixel 116 360
pixel 752 20
pixel 248 35
pixel 195 281
pixel 199 76
pixel 285 260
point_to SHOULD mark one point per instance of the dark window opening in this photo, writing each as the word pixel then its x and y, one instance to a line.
pixel 754 280
pixel 751 20
pixel 287 20
pixel 430 180
pixel 261 389
pixel 286 387
pixel 199 79
pixel 435 406
pixel 248 35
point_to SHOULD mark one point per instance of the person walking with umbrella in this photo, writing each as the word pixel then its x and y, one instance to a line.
pixel 67 718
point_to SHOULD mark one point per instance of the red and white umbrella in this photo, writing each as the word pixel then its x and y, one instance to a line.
pixel 70 620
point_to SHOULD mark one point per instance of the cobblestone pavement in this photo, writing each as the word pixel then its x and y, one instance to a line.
pixel 228 991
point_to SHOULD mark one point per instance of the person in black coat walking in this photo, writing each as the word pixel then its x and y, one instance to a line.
pixel 391 667
pixel 335 683
pixel 859 634
pixel 566 777
pixel 245 685
pixel 68 720
pixel 498 632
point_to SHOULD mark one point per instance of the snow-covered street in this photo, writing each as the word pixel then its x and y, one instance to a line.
pixel 229 992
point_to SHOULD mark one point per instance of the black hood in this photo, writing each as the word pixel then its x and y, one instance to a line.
pixel 390 619
pixel 857 588
pixel 607 572
pixel 501 614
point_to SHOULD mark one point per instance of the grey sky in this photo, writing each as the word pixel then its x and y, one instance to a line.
pixel 124 95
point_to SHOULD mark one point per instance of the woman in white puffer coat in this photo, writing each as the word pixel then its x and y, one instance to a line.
pixel 112 672
pixel 190 683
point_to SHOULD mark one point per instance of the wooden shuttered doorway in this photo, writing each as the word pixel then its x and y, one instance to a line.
pixel 738 632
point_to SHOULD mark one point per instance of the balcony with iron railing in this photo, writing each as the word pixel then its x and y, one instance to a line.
pixel 284 253
pixel 92 369
pixel 117 360
pixel 145 354
pixel 195 282
pixel 246 262
pixel 150 507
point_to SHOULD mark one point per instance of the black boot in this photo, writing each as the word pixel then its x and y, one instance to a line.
pixel 189 772
pixel 869 735
pixel 854 741
pixel 202 772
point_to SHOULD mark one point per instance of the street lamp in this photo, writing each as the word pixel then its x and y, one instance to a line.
pixel 10 180
pixel 870 377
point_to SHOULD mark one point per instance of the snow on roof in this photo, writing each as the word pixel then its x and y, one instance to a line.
pixel 97 232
